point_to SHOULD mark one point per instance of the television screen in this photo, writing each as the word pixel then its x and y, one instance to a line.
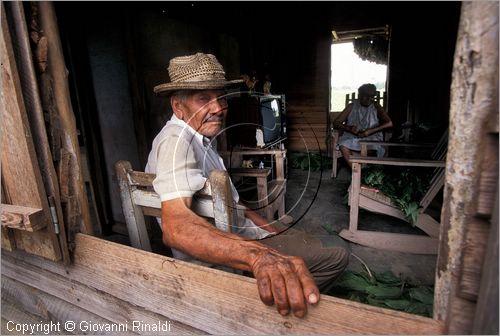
pixel 247 113
pixel 271 118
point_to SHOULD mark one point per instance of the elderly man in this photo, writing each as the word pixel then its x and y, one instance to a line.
pixel 182 157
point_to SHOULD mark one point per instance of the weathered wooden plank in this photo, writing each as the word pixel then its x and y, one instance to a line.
pixel 399 242
pixel 476 237
pixel 308 133
pixel 52 280
pixel 59 74
pixel 21 177
pixel 354 195
pixel 224 207
pixel 149 200
pixel 428 224
pixel 22 218
pixel 474 98
pixel 487 311
pixel 52 309
pixel 8 239
pixel 302 126
pixel 398 162
pixel 215 301
pixel 489 176
pixel 134 217
pixel 299 146
pixel 11 315
pixel 35 113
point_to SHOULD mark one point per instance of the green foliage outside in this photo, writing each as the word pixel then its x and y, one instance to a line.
pixel 384 290
pixel 312 160
pixel 404 186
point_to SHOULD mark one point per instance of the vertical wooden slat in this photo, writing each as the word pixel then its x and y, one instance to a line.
pixel 134 217
pixel 354 197
pixel 486 317
pixel 223 202
pixel 59 75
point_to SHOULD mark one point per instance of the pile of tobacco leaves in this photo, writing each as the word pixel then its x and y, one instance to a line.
pixel 404 186
pixel 384 290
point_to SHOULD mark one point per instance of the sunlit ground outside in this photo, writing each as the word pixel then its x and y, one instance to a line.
pixel 349 72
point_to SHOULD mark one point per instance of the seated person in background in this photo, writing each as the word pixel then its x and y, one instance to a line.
pixel 364 119
pixel 183 155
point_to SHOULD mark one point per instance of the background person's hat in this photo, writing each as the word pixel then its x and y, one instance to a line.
pixel 195 72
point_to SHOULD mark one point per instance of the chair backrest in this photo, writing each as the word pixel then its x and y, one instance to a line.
pixel 350 97
pixel 139 199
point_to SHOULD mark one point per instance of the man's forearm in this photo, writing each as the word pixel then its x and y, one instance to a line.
pixel 191 234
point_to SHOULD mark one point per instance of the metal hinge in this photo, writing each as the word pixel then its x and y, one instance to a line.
pixel 53 213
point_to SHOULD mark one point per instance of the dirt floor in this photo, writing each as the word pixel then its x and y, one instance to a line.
pixel 318 204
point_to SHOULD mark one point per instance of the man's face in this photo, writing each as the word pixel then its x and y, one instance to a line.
pixel 204 111
pixel 366 97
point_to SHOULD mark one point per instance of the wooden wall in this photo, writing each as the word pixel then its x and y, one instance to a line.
pixel 298 54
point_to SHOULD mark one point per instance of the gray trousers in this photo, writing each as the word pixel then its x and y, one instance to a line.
pixel 324 263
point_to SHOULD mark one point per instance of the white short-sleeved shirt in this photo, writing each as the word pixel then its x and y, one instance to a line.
pixel 182 160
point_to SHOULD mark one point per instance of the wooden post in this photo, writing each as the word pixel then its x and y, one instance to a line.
pixel 59 75
pixel 354 197
pixel 473 107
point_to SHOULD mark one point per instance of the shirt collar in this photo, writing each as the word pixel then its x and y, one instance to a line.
pixel 199 137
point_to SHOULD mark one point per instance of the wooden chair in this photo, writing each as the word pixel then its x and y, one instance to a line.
pixel 336 153
pixel 138 198
pixel 376 201
pixel 270 194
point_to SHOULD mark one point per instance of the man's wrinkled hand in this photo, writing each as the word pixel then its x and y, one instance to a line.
pixel 285 281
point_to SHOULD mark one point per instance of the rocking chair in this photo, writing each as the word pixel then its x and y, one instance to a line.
pixel 375 201
pixel 336 153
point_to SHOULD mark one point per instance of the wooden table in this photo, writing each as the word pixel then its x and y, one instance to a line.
pixel 262 193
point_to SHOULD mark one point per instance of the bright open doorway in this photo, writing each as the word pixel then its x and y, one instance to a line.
pixel 349 71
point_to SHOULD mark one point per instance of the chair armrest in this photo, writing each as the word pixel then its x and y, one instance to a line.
pixel 395 144
pixel 397 162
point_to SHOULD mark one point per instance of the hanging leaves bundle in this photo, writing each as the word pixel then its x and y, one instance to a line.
pixel 372 49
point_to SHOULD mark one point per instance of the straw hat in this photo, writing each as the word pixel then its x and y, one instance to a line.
pixel 195 72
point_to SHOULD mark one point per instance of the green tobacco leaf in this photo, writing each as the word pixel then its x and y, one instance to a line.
pixel 419 308
pixel 384 292
pixel 370 279
pixel 351 281
pixel 422 294
pixel 375 302
pixel 388 277
pixel 398 304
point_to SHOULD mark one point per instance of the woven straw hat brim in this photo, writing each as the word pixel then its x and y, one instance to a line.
pixel 201 85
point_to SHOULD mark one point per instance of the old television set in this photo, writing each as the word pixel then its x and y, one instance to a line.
pixel 246 114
